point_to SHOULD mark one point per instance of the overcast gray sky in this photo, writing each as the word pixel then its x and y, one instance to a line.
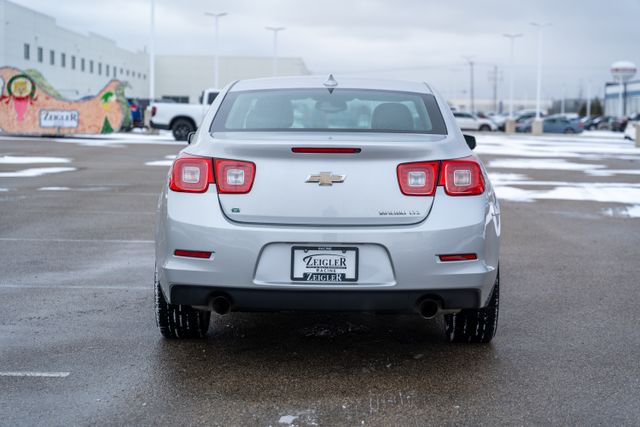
pixel 409 39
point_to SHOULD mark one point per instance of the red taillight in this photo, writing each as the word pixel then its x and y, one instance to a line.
pixel 234 176
pixel 418 179
pixel 462 177
pixel 329 150
pixel 191 174
pixel 459 177
pixel 192 254
pixel 458 257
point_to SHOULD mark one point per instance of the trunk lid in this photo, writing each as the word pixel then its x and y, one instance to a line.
pixel 364 186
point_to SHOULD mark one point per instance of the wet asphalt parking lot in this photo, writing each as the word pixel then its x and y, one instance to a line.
pixel 79 345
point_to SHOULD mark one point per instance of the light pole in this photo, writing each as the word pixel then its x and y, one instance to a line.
pixel 216 16
pixel 540 26
pixel 152 52
pixel 275 47
pixel 472 107
pixel 588 98
pixel 512 38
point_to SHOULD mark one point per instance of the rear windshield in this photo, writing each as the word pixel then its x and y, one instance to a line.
pixel 338 110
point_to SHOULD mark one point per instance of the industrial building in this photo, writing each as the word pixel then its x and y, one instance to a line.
pixel 75 64
pixel 630 105
pixel 182 78
pixel 79 65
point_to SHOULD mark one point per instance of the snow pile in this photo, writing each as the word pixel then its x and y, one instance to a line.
pixel 552 153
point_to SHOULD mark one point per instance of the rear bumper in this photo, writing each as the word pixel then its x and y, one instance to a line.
pixel 398 264
pixel 392 301
pixel 159 126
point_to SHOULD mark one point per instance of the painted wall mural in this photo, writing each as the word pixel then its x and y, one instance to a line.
pixel 30 106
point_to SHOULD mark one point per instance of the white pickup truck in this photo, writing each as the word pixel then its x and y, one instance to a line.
pixel 181 119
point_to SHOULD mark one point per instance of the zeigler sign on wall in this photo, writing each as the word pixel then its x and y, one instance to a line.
pixel 59 118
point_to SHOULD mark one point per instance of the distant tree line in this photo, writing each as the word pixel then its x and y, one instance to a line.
pixel 596 108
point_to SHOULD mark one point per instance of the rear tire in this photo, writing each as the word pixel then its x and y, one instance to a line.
pixel 569 131
pixel 181 129
pixel 485 128
pixel 475 325
pixel 179 321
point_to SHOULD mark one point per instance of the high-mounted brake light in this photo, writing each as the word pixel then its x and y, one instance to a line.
pixel 191 174
pixel 326 150
pixel 234 176
pixel 418 179
pixel 462 177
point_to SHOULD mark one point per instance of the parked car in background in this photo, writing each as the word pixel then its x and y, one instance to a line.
pixel 468 121
pixel 181 119
pixel 523 116
pixel 607 123
pixel 498 119
pixel 587 122
pixel 553 124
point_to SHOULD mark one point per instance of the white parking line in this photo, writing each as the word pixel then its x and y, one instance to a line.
pixel 34 374
pixel 101 287
pixel 27 239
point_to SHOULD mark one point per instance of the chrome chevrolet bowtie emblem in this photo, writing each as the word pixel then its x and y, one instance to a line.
pixel 325 178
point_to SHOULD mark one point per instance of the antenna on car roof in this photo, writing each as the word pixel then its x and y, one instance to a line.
pixel 331 83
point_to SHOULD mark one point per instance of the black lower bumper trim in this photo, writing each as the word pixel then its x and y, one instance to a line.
pixel 159 126
pixel 329 300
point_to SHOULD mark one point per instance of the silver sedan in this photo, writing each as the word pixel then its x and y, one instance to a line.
pixel 328 194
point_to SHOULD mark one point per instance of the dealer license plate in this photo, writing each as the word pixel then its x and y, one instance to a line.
pixel 324 264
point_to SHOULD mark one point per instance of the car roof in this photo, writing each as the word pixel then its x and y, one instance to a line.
pixel 316 81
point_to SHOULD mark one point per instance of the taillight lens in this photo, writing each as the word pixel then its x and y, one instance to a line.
pixel 459 177
pixel 154 110
pixel 418 179
pixel 191 174
pixel 462 177
pixel 234 176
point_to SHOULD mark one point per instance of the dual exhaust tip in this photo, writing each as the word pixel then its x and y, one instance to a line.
pixel 220 304
pixel 428 308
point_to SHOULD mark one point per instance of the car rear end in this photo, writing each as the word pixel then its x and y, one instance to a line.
pixel 299 196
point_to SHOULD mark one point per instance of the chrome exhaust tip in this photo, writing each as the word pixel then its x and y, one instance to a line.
pixel 428 308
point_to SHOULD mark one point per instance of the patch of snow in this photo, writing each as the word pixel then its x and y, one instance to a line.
pixel 546 164
pixel 558 146
pixel 614 193
pixel 513 194
pixel 612 172
pixel 114 140
pixel 287 419
pixel 34 172
pixel 4 189
pixel 632 211
pixel 160 163
pixel 498 177
pixel 22 160
pixel 54 189
pixel 167 162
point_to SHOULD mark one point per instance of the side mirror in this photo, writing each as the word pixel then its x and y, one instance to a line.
pixel 190 137
pixel 470 140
